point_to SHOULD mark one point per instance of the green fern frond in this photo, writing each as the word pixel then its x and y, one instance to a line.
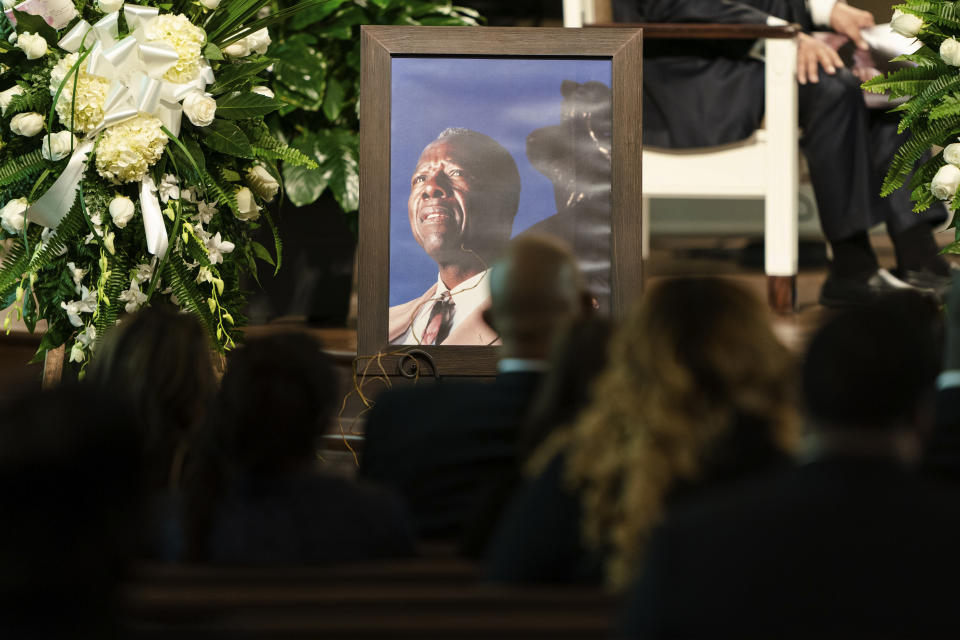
pixel 177 276
pixel 196 250
pixel 949 107
pixel 921 103
pixel 110 304
pixel 70 228
pixel 924 57
pixel 15 262
pixel 904 82
pixel 20 167
pixel 914 149
pixel 282 152
pixel 38 101
pixel 222 193
pixel 919 185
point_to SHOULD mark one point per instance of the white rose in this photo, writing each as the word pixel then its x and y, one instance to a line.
pixel 200 108
pixel 258 41
pixel 57 145
pixel 34 45
pixel 8 95
pixel 109 6
pixel 11 216
pixel 247 204
pixel 906 24
pixel 210 4
pixel 27 124
pixel 945 183
pixel 239 49
pixel 952 154
pixel 121 211
pixel 950 52
pixel 264 184
pixel 263 90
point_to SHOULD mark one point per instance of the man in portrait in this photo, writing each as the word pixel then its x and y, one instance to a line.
pixel 464 195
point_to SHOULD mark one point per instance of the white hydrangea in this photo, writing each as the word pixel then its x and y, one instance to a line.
pixel 128 149
pixel 186 38
pixel 91 95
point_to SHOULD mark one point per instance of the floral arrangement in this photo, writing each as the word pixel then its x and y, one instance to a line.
pixel 931 106
pixel 135 164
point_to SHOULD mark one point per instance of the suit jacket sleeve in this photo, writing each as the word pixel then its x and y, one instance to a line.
pixel 716 11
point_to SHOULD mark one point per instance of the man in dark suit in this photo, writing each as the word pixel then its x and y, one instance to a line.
pixel 441 444
pixel 704 93
pixel 850 543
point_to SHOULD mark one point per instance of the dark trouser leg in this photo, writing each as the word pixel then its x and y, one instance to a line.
pixel 836 142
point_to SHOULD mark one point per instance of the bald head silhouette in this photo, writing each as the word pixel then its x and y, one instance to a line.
pixel 536 292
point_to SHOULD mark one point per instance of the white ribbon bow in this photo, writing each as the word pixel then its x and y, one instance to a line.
pixel 135 68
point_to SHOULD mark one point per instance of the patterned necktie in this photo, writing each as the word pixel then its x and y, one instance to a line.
pixel 438 324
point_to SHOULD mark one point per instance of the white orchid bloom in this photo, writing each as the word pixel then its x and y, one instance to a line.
pixel 133 297
pixel 217 247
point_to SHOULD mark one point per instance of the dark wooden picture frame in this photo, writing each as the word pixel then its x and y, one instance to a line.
pixel 379 44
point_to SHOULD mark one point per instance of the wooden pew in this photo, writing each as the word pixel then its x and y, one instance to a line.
pixel 417 598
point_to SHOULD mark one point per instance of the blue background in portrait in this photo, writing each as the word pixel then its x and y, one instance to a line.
pixel 504 98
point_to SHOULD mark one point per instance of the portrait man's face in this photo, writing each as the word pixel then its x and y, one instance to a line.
pixel 445 196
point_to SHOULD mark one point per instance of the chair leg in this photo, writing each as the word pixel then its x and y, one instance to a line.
pixel 782 293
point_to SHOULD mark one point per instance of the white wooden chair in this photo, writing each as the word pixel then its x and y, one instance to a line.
pixel 765 166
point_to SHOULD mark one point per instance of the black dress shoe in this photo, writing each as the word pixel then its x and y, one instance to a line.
pixel 843 292
pixel 927 280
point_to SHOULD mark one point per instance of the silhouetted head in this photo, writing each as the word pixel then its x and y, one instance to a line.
pixel 464 195
pixel 277 396
pixel 536 291
pixel 873 368
pixel 158 360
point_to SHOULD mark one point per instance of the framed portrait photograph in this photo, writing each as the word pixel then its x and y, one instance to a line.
pixel 470 137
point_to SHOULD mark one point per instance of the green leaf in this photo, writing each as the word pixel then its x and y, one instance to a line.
pixel 335 151
pixel 262 253
pixel 29 23
pixel 277 241
pixel 212 52
pixel 226 137
pixel 314 14
pixel 231 77
pixel 237 106
pixel 300 68
pixel 333 100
